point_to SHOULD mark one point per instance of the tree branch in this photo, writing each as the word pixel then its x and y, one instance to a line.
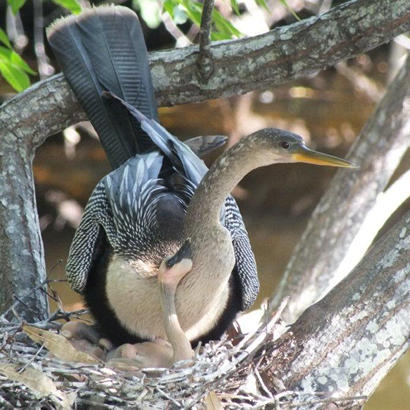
pixel 23 127
pixel 313 268
pixel 205 63
pixel 268 60
pixel 346 343
pixel 239 66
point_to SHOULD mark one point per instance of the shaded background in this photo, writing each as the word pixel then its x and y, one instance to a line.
pixel 328 110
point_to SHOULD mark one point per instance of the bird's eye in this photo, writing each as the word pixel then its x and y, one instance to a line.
pixel 285 145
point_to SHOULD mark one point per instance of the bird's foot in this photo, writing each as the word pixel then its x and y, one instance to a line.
pixel 158 353
pixel 86 338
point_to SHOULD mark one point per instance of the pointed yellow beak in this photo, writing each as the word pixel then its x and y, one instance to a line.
pixel 307 155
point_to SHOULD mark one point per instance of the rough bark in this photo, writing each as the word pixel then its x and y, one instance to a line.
pixel 312 270
pixel 280 55
pixel 271 59
pixel 239 66
pixel 23 127
pixel 345 344
pixel 204 60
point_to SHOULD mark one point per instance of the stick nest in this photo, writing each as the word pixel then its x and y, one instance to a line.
pixel 224 374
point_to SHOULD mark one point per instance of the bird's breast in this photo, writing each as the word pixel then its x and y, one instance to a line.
pixel 132 291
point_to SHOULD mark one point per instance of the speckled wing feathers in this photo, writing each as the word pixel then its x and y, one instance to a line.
pixel 245 266
pixel 124 202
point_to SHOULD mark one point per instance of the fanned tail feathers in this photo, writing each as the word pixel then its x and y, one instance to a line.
pixel 103 49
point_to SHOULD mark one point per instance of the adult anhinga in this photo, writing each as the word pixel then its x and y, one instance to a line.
pixel 146 210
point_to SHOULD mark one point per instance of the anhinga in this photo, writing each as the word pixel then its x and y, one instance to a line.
pixel 159 199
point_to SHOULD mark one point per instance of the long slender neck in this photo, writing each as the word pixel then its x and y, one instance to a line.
pixel 223 176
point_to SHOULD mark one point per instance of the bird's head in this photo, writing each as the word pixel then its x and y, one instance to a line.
pixel 277 146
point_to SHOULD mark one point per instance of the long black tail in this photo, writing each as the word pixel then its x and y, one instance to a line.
pixel 103 49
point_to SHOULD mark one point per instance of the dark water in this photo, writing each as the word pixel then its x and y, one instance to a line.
pixel 328 111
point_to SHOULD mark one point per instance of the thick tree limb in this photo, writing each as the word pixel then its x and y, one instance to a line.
pixel 23 128
pixel 268 60
pixel 313 268
pixel 280 55
pixel 346 343
pixel 239 66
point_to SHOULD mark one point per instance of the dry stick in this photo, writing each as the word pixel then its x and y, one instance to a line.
pixel 39 50
pixel 181 39
pixel 352 194
pixel 239 66
pixel 348 341
pixel 205 63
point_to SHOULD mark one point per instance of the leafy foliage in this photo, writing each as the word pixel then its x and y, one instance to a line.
pixel 71 5
pixel 12 67
pixel 16 5
pixel 150 11
pixel 183 10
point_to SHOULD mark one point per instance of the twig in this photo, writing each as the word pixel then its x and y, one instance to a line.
pixel 5 404
pixel 31 360
pixel 44 68
pixel 18 301
pixel 205 62
pixel 181 39
pixel 262 384
pixel 167 396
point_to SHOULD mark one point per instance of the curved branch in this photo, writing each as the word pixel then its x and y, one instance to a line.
pixel 313 268
pixel 347 342
pixel 268 60
pixel 239 66
pixel 24 125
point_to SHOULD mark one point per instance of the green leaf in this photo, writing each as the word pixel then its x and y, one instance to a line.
pixel 179 15
pixel 19 62
pixel 4 39
pixel 17 78
pixel 291 11
pixel 224 29
pixel 217 36
pixel 176 12
pixel 15 60
pixel 235 7
pixel 193 10
pixel 71 5
pixel 262 3
pixel 169 6
pixel 16 5
pixel 150 11
pixel 224 26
